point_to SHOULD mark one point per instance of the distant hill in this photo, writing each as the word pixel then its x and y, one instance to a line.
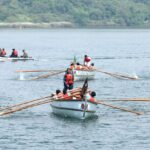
pixel 76 13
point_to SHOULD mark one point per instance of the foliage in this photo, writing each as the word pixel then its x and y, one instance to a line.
pixel 82 13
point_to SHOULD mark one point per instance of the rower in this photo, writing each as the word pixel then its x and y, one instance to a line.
pixel 72 66
pixel 66 95
pixel 59 94
pixel 14 53
pixel 25 55
pixel 87 60
pixel 68 80
pixel 78 66
pixel 90 96
pixel 2 53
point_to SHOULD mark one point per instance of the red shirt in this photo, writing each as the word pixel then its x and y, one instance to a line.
pixel 87 59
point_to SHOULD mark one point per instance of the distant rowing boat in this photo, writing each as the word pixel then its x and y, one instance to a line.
pixel 3 59
pixel 83 74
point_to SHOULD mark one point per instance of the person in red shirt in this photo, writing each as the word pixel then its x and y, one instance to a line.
pixel 90 96
pixel 87 60
pixel 3 53
pixel 14 53
pixel 93 94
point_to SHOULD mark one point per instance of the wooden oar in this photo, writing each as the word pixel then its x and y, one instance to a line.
pixel 117 75
pixel 46 75
pixel 32 103
pixel 36 70
pixel 5 112
pixel 128 99
pixel 19 104
pixel 116 107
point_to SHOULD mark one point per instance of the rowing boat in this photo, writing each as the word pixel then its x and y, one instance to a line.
pixel 83 74
pixel 3 59
pixel 79 109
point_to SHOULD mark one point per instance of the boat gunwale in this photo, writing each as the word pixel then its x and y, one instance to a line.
pixel 74 100
pixel 84 70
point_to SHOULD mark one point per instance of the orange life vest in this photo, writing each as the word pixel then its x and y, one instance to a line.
pixel 3 53
pixel 67 97
pixel 69 79
pixel 15 53
pixel 92 99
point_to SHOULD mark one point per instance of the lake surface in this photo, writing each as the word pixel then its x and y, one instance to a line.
pixel 37 128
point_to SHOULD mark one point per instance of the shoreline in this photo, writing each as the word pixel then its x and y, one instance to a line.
pixel 62 25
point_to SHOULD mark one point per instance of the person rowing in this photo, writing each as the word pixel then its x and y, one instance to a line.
pixel 14 53
pixel 91 96
pixel 25 55
pixel 3 53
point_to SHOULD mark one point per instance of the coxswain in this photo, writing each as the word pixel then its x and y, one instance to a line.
pixel 87 60
pixel 25 55
pixel 68 80
pixel 14 53
pixel 3 53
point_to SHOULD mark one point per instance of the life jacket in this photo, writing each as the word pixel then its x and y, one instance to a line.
pixel 92 99
pixel 67 97
pixel 69 79
pixel 15 53
pixel 87 59
pixel 3 53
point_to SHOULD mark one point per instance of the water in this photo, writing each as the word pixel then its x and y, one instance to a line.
pixel 125 51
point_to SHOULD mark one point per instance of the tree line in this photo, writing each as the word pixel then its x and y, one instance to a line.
pixel 81 13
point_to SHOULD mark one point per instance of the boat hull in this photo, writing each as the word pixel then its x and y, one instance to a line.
pixel 74 108
pixel 3 59
pixel 82 75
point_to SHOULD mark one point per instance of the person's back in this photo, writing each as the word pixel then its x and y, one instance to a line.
pixel 90 96
pixel 25 55
pixel 14 53
pixel 3 53
pixel 93 94
pixel 0 52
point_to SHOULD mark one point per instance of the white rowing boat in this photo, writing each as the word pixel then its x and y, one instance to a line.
pixel 79 109
pixel 3 59
pixel 83 74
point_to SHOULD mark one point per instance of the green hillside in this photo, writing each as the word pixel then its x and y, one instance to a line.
pixel 79 13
